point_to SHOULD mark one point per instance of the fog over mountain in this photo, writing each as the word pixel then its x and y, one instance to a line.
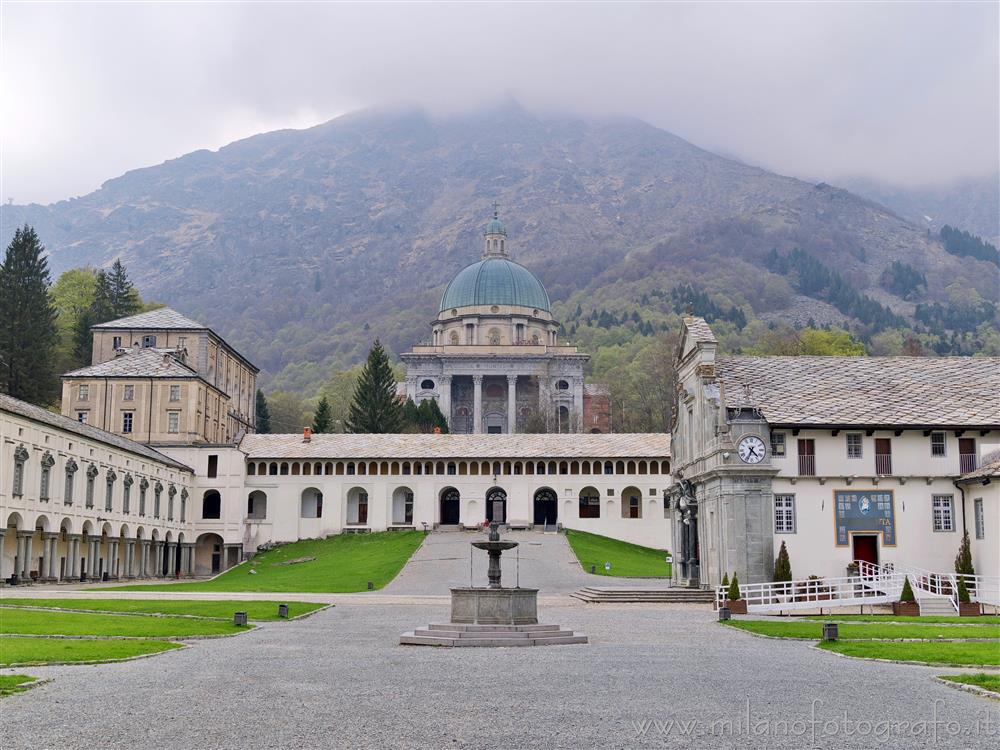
pixel 302 245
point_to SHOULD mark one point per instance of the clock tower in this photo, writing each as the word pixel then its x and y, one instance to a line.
pixel 722 499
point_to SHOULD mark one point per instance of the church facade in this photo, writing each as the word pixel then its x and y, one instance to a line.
pixel 495 363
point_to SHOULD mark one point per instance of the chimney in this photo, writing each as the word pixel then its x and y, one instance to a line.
pixel 307 434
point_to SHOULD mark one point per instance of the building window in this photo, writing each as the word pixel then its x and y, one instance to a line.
pixel 777 444
pixel 148 341
pixel 82 416
pixel 784 514
pixel 937 444
pixel 977 505
pixel 562 385
pixel 127 418
pixel 182 342
pixel 213 465
pixel 18 485
pixel 943 512
pixel 84 393
pixel 427 385
pixel 128 393
pixel 173 422
pixel 854 445
pixel 175 393
pixel 116 342
pixel 807 457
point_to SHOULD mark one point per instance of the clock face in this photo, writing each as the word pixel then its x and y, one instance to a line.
pixel 751 449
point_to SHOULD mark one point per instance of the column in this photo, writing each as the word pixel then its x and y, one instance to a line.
pixel 444 398
pixel 130 558
pixel 158 559
pixel 144 565
pixel 72 558
pixel 47 570
pixel 114 564
pixel 93 565
pixel 189 567
pixel 171 559
pixel 477 404
pixel 24 553
pixel 3 535
pixel 512 404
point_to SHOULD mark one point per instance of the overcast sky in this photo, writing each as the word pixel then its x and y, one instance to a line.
pixel 903 92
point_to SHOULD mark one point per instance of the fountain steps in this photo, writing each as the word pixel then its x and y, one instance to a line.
pixel 593 595
pixel 458 635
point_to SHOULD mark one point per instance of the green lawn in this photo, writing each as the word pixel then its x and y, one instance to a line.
pixel 980 679
pixel 46 650
pixel 961 653
pixel 11 683
pixel 224 609
pixel 343 563
pixel 875 631
pixel 626 559
pixel 37 622
pixel 928 620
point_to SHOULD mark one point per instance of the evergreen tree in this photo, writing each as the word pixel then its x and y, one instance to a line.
pixel 782 565
pixel 323 418
pixel 375 408
pixel 429 417
pixel 963 560
pixel 906 595
pixel 411 416
pixel 263 414
pixel 122 297
pixel 28 331
pixel 734 589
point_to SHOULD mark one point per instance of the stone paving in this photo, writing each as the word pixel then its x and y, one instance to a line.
pixel 338 679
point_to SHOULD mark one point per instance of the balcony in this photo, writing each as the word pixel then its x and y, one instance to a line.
pixel 967 462
pixel 807 466
pixel 883 464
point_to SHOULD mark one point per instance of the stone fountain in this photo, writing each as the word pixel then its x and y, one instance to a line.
pixel 492 615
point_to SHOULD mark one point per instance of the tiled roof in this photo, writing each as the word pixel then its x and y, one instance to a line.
pixel 596 389
pixel 990 468
pixel 899 391
pixel 137 363
pixel 163 318
pixel 653 445
pixel 698 329
pixel 36 413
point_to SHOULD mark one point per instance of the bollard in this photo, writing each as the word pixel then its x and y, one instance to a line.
pixel 371 586
pixel 724 614
pixel 240 618
pixel 830 631
pixel 282 610
pixel 593 569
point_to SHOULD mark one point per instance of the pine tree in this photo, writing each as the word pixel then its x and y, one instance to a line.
pixel 27 321
pixel 122 296
pixel 323 418
pixel 725 580
pixel 263 414
pixel 963 560
pixel 734 590
pixel 411 416
pixel 906 595
pixel 782 565
pixel 375 408
pixel 438 418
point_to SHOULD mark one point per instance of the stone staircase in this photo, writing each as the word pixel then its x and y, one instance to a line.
pixel 935 605
pixel 453 634
pixel 595 595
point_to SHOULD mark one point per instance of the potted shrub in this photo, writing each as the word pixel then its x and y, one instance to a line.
pixel 734 599
pixel 783 572
pixel 907 605
pixel 966 608
pixel 853 568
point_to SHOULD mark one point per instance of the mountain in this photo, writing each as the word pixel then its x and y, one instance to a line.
pixel 971 204
pixel 301 246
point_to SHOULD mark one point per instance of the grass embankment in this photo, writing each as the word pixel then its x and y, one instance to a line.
pixel 923 620
pixel 11 683
pixel 218 608
pixel 16 621
pixel 627 560
pixel 865 631
pixel 340 564
pixel 949 652
pixel 980 679
pixel 48 650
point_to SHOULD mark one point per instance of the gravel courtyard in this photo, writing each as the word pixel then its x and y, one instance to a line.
pixel 338 679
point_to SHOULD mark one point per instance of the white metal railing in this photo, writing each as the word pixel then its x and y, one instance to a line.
pixel 982 589
pixel 873 585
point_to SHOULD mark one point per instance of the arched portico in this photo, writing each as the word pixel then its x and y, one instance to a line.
pixel 357 506
pixel 311 503
pixel 208 558
pixel 402 506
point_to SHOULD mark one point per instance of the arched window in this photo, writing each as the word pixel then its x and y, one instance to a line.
pixel 562 385
pixel 654 467
pixel 257 506
pixel 609 468
pixel 251 469
pixel 631 503
pixel 311 505
pixel 585 467
pixel 211 505
pixel 452 468
pixel 273 469
pixel 463 468
pixel 402 506
pixel 295 468
pixel 474 468
pixel 307 469
pixel 406 467
pixel 619 467
pixel 631 467
pixel 284 469
pixel 350 468
pixel 590 503
pixel 427 385
pixel 563 467
pixel 357 506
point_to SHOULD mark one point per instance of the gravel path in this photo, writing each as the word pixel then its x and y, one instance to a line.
pixel 338 679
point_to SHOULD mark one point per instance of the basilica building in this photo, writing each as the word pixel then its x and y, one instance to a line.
pixel 494 363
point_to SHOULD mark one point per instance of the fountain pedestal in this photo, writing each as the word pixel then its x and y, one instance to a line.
pixel 494 606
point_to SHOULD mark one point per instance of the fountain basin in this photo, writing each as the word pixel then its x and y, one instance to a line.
pixel 501 546
pixel 494 606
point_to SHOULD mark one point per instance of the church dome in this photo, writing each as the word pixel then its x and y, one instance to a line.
pixel 495 227
pixel 495 281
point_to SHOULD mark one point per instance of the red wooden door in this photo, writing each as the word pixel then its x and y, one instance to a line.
pixel 866 548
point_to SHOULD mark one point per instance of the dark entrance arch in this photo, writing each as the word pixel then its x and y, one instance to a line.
pixel 546 507
pixel 451 502
pixel 496 505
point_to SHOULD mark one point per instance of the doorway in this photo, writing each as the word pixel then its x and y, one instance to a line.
pixel 546 509
pixel 450 501
pixel 496 505
pixel 865 547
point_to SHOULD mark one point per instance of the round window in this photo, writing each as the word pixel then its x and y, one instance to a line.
pixel 495 309
pixel 454 311
pixel 562 385
pixel 427 385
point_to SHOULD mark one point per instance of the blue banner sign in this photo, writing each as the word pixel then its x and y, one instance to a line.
pixel 865 511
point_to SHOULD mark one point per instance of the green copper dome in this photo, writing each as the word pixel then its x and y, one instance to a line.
pixel 495 281
pixel 495 227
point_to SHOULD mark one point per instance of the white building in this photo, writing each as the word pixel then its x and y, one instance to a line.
pixel 840 458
